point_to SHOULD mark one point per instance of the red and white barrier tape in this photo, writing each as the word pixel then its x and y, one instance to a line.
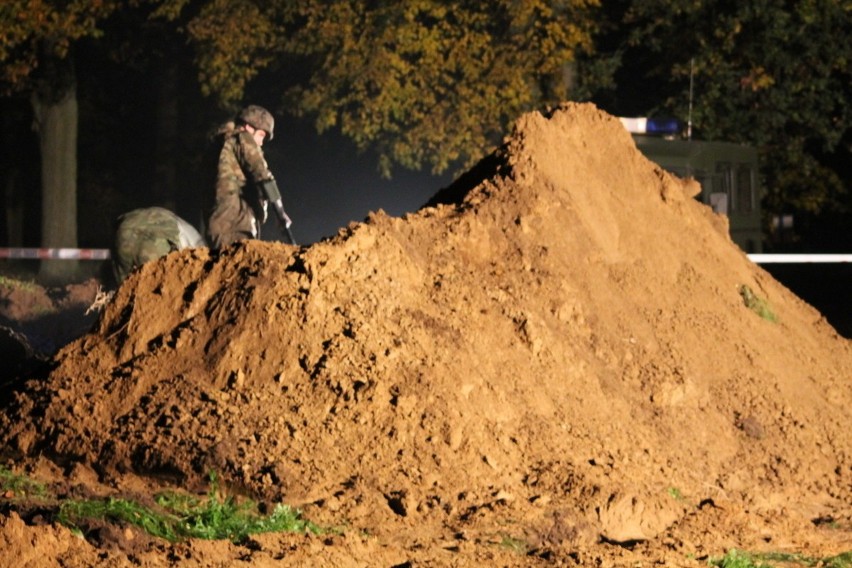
pixel 58 253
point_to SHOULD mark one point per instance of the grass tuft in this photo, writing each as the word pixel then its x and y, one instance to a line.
pixel 514 544
pixel 178 516
pixel 156 523
pixel 739 559
pixel 13 485
pixel 757 304
pixel 174 517
pixel 675 493
pixel 16 284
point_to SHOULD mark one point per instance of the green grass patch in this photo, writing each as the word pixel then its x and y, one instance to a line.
pixel 31 288
pixel 178 516
pixel 74 513
pixel 514 544
pixel 14 485
pixel 173 516
pixel 15 284
pixel 740 559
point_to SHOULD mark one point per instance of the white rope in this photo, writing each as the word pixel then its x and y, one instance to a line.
pixel 58 253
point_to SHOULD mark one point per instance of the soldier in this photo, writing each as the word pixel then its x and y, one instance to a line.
pixel 244 185
pixel 147 234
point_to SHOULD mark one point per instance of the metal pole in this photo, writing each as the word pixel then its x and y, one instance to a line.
pixel 689 118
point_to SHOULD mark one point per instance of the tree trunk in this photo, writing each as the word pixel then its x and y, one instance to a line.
pixel 56 119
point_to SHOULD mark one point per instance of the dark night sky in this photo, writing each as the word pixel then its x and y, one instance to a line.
pixel 326 183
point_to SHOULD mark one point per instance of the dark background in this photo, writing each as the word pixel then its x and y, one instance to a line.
pixel 325 182
pixel 827 287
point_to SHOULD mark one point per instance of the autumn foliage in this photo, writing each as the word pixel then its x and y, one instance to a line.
pixel 423 82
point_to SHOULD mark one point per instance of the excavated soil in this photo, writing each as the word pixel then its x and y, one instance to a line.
pixel 550 364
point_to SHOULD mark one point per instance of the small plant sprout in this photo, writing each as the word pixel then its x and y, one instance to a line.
pixel 740 559
pixel 757 304
pixel 14 485
pixel 675 493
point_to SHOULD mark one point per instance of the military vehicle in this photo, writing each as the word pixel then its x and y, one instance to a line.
pixel 728 174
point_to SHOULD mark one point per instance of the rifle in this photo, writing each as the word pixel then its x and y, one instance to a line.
pixel 270 191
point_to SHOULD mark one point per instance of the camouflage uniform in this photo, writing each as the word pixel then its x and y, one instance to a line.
pixel 240 210
pixel 148 234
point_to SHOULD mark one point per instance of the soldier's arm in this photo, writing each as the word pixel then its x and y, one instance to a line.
pixel 251 159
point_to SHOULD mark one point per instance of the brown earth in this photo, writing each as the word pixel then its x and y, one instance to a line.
pixel 47 318
pixel 552 364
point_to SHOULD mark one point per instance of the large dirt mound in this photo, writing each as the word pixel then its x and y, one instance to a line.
pixel 556 350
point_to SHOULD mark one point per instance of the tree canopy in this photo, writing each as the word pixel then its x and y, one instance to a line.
pixel 772 73
pixel 435 84
pixel 424 82
pixel 35 29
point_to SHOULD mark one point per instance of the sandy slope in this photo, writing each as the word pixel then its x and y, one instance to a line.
pixel 555 352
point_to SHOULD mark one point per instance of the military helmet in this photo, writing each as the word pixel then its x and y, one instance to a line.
pixel 258 117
